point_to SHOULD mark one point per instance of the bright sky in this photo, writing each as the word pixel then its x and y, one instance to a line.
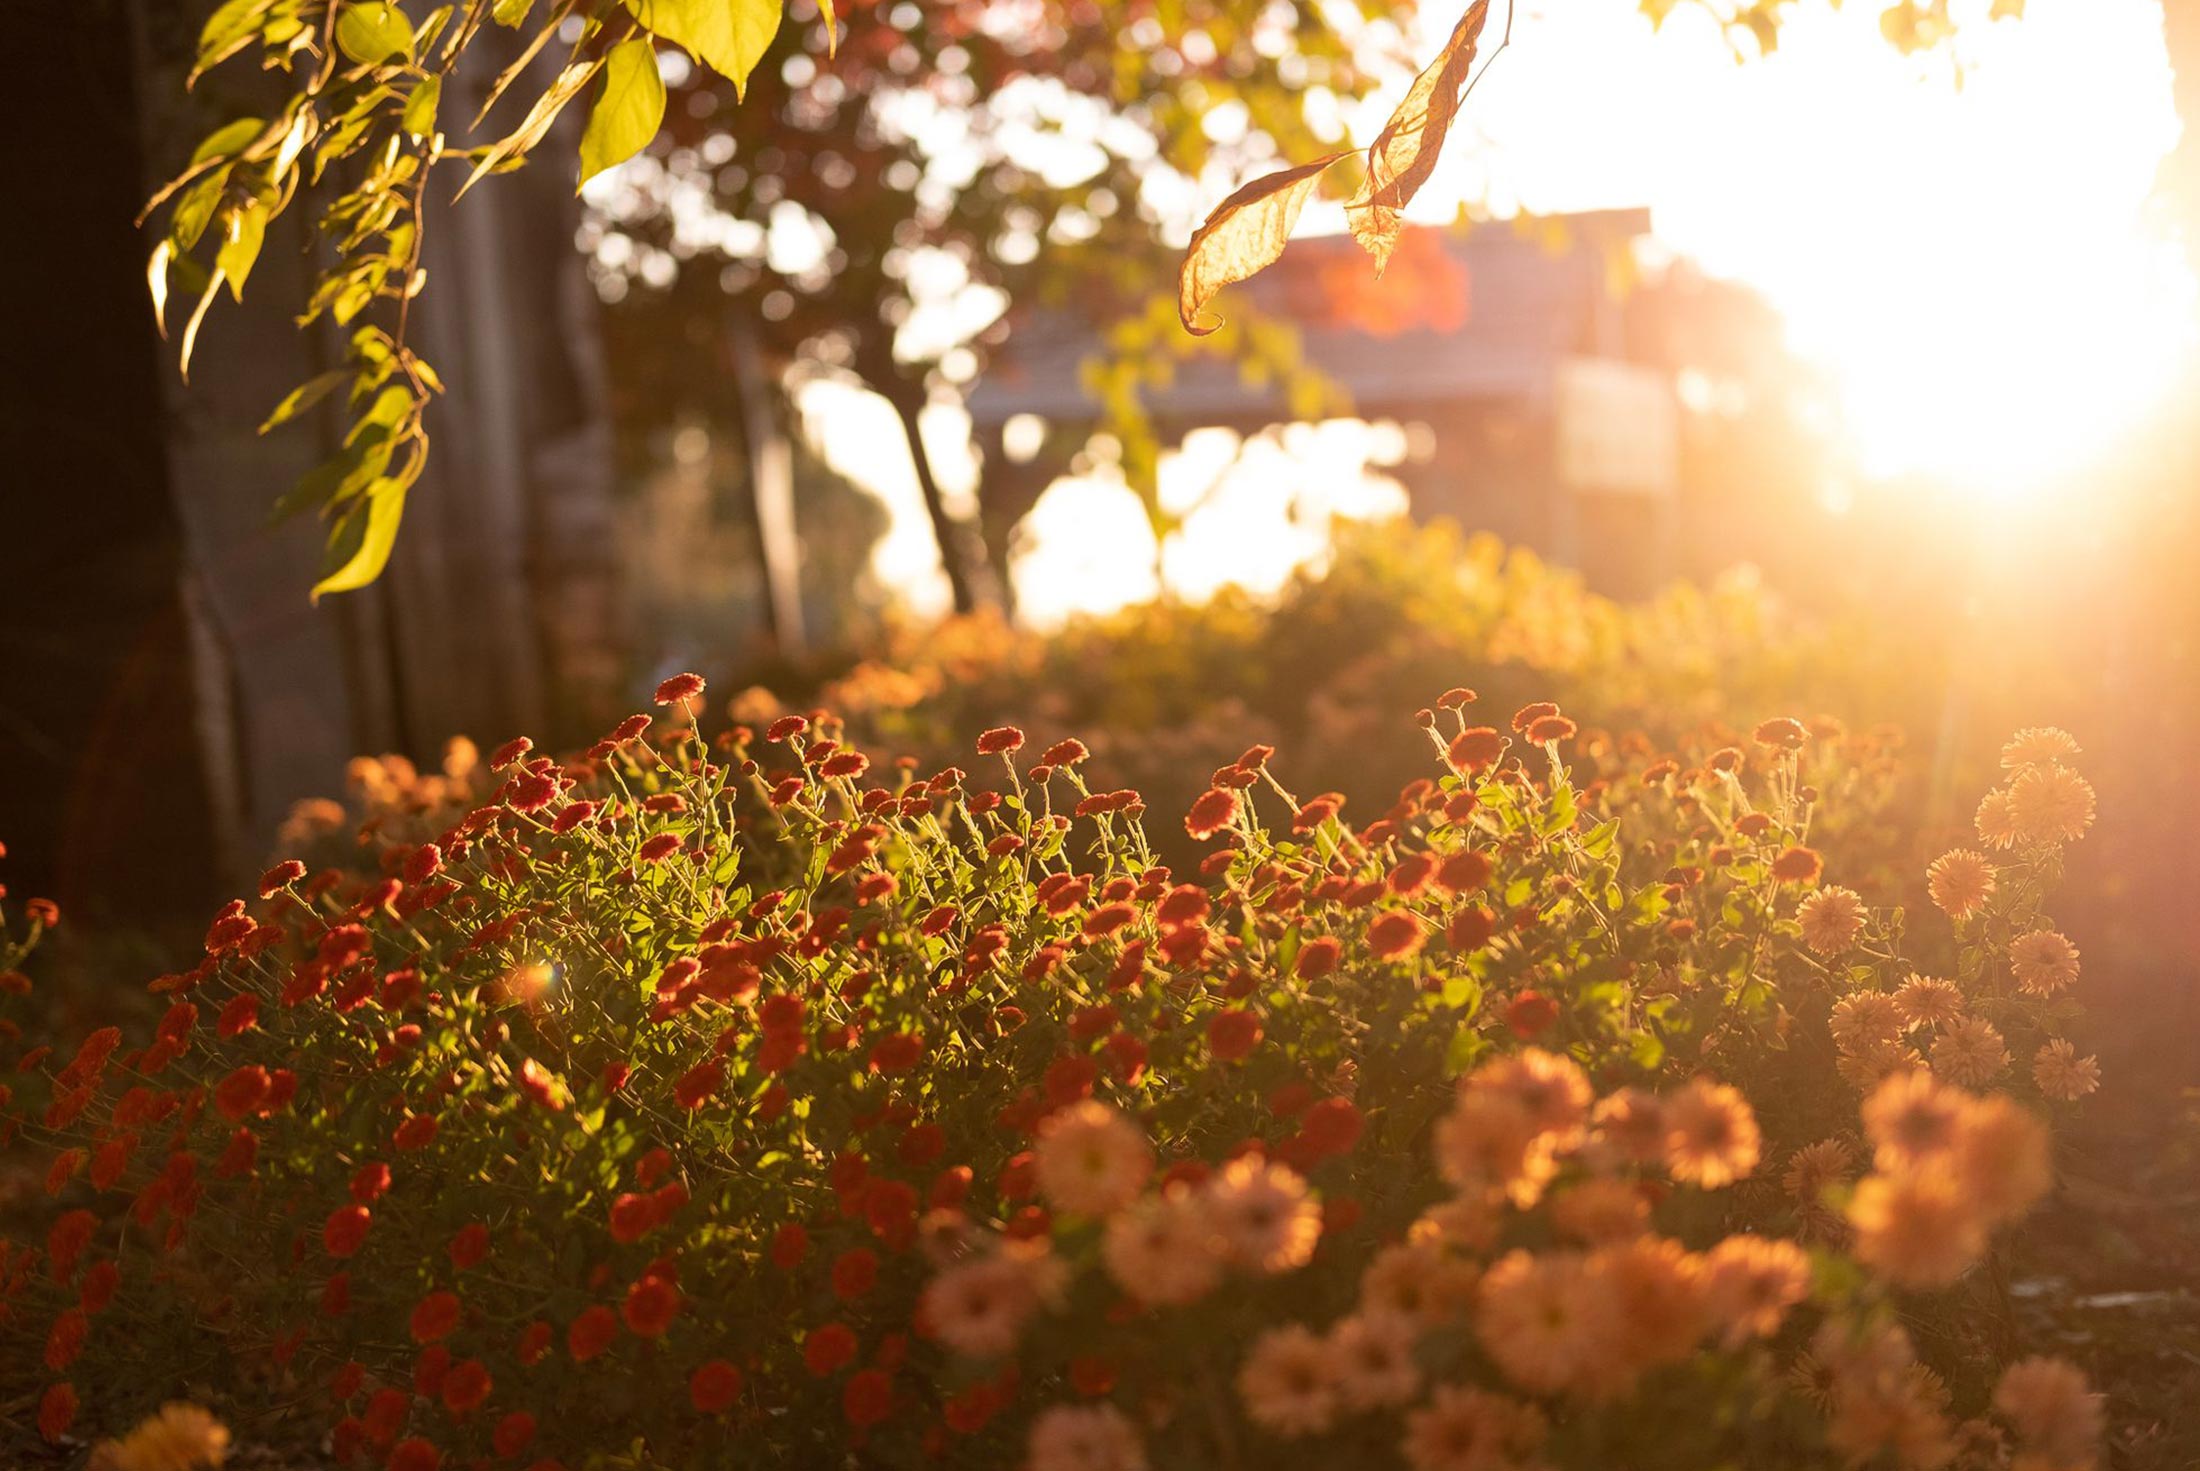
pixel 1971 264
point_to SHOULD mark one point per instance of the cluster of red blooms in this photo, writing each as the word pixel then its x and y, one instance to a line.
pixel 645 1098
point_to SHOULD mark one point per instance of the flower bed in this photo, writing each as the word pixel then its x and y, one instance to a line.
pixel 732 1101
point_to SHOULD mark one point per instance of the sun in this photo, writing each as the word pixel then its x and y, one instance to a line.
pixel 1998 372
pixel 1965 243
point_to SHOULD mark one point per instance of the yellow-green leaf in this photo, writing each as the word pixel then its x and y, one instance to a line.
pixel 370 32
pixel 305 396
pixel 628 109
pixel 419 116
pixel 359 547
pixel 156 280
pixel 728 36
pixel 247 229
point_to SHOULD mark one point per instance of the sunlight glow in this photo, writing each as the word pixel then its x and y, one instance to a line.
pixel 1967 256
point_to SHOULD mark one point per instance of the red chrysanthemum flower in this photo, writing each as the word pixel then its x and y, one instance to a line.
pixel 1475 748
pixel 1396 933
pixel 651 1305
pixel 714 1387
pixel 588 1335
pixel 1232 1034
pixel 435 1317
pixel 345 1231
pixel 679 687
pixel 1213 811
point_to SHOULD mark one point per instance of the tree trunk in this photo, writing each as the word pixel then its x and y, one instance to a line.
pixel 771 486
pixel 961 552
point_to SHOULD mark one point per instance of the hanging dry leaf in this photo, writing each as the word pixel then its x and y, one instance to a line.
pixel 1246 232
pixel 1404 153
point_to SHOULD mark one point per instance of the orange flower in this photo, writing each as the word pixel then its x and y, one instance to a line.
pixel 1960 882
pixel 1712 1136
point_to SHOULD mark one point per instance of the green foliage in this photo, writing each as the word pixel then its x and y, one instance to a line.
pixel 360 131
pixel 628 111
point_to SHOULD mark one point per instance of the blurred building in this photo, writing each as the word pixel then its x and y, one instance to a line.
pixel 1550 393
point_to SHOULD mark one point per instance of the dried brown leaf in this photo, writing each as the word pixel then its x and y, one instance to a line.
pixel 1246 232
pixel 1404 153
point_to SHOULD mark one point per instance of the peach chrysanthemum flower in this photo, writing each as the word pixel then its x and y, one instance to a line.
pixel 1552 1090
pixel 1164 1249
pixel 1287 1382
pixel 1831 919
pixel 2038 745
pixel 1711 1135
pixel 1657 1287
pixel 1371 1356
pixel 1926 1001
pixel 2043 961
pixel 2050 804
pixel 1091 1159
pixel 1960 882
pixel 1912 1120
pixel 1917 1229
pixel 1630 1125
pixel 1469 1221
pixel 1462 1429
pixel 2052 1408
pixel 1750 1282
pixel 2003 1162
pixel 1997 820
pixel 1815 1168
pixel 179 1437
pixel 1874 1062
pixel 979 1307
pixel 1546 1320
pixel 1264 1215
pixel 1419 1281
pixel 1864 1018
pixel 1969 1052
pixel 1489 1141
pixel 1601 1210
pixel 1892 1419
pixel 1856 1354
pixel 1084 1438
pixel 2062 1075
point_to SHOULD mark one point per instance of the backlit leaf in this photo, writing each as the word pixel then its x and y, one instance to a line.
pixel 1404 153
pixel 514 146
pixel 728 36
pixel 305 396
pixel 359 548
pixel 241 246
pixel 370 32
pixel 419 116
pixel 628 110
pixel 1245 233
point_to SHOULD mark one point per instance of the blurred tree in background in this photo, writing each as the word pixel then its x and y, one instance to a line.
pixel 883 216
